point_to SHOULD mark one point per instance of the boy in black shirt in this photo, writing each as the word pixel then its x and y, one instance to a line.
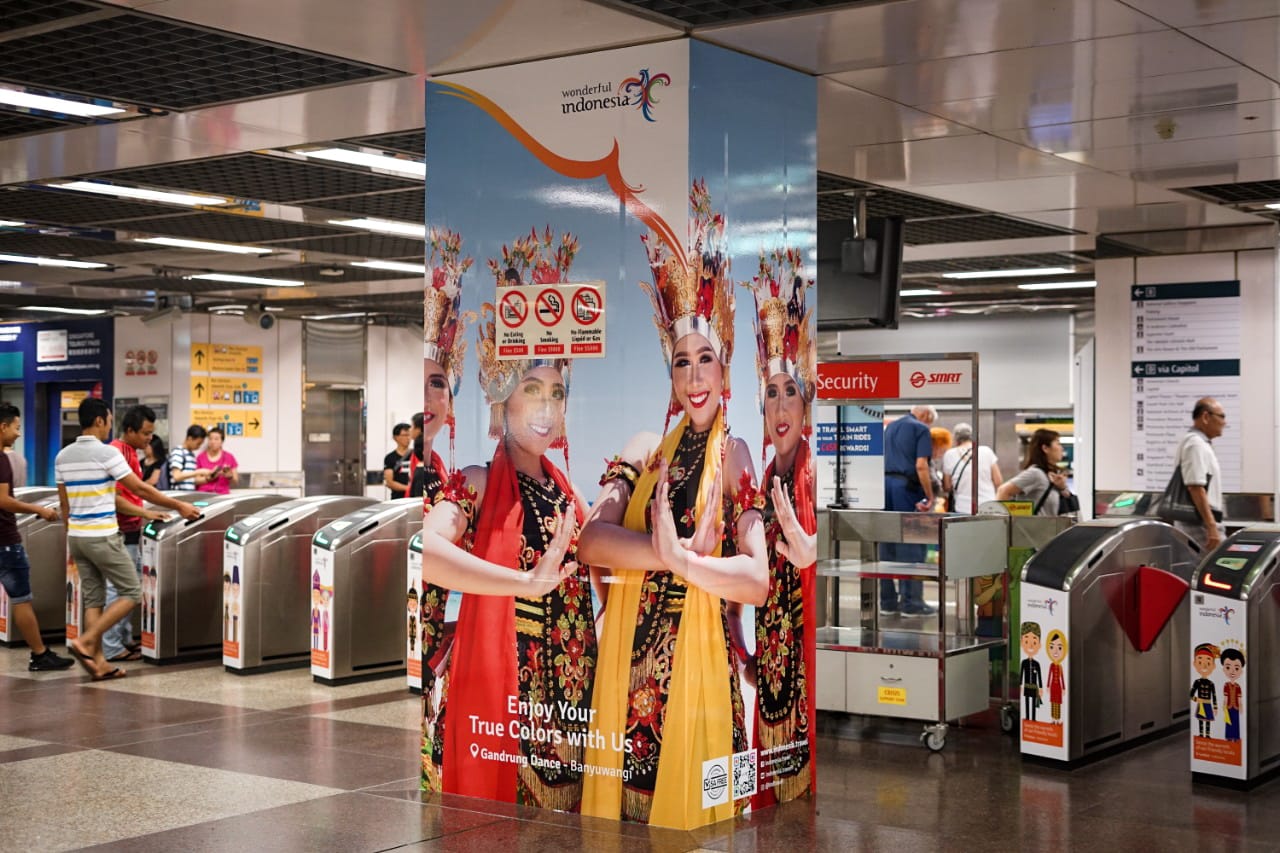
pixel 395 467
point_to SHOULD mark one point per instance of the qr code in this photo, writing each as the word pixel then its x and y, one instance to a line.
pixel 744 774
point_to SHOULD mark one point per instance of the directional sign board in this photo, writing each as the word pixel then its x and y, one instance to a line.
pixel 226 358
pixel 551 321
pixel 215 390
pixel 240 423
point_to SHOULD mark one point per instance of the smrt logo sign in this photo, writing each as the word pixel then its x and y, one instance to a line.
pixel 919 379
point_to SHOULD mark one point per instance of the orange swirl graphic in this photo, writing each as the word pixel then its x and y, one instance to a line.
pixel 607 166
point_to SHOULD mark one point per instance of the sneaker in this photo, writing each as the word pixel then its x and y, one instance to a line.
pixel 919 610
pixel 889 611
pixel 47 660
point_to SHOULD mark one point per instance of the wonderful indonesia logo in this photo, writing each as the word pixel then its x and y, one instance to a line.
pixel 640 92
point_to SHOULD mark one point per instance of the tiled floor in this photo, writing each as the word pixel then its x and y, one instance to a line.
pixel 189 758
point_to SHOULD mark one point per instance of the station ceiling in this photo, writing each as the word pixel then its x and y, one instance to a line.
pixel 1010 134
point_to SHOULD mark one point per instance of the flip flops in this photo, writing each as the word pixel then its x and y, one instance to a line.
pixel 107 676
pixel 126 655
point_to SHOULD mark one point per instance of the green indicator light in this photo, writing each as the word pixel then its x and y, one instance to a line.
pixel 199 503
pixel 320 540
pixel 233 536
pixel 1122 502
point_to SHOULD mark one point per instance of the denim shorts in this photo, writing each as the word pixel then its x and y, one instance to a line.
pixel 15 573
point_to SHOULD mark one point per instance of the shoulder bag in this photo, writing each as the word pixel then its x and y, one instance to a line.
pixel 960 466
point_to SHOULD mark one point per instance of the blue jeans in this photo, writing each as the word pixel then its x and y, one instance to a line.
pixel 901 496
pixel 120 635
pixel 15 573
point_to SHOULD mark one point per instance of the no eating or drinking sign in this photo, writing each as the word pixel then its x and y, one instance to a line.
pixel 551 320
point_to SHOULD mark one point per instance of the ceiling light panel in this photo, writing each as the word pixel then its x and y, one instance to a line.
pixel 139 193
pixel 1015 273
pixel 393 266
pixel 139 59
pixel 384 226
pixel 61 106
pixel 920 291
pixel 203 245
pixel 231 278
pixel 1058 285
pixel 286 180
pixel 55 309
pixel 42 204
pixel 384 162
pixel 230 228
pixel 67 263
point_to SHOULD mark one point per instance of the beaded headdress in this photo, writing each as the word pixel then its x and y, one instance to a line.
pixel 533 259
pixel 784 342
pixel 441 318
pixel 694 293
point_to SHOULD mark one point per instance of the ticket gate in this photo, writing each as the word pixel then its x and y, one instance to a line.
pixel 1103 637
pixel 267 559
pixel 358 567
pixel 182 585
pixel 46 546
pixel 1234 694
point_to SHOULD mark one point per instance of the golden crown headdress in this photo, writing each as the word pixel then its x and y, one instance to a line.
pixel 532 259
pixel 784 341
pixel 441 318
pixel 694 293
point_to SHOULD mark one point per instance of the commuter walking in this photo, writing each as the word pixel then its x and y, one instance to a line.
pixel 908 448
pixel 220 466
pixel 1201 474
pixel 397 464
pixel 959 468
pixel 86 472
pixel 184 472
pixel 1041 479
pixel 155 463
pixel 15 570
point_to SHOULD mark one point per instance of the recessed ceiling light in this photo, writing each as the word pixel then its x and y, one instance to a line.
pixel 922 291
pixel 332 272
pixel 203 245
pixel 15 98
pixel 54 309
pixel 384 226
pixel 1275 205
pixel 247 279
pixel 416 168
pixel 1010 273
pixel 188 199
pixel 392 266
pixel 11 223
pixel 1058 285
pixel 52 262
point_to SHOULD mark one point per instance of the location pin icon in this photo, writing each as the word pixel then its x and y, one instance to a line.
pixel 475 750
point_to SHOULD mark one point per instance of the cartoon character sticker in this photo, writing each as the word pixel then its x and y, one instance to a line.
pixel 1056 649
pixel 1219 686
pixel 1030 671
pixel 1044 631
pixel 1204 695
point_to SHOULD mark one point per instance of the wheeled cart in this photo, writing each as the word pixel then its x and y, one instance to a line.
pixel 1232 686
pixel 46 546
pixel 266 608
pixel 182 579
pixel 894 671
pixel 1103 638
pixel 358 569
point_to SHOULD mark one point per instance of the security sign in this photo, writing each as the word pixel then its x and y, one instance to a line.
pixel 551 321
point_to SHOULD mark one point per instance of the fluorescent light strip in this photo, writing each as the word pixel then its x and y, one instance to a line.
pixel 15 98
pixel 1275 205
pixel 1010 273
pixel 53 309
pixel 203 245
pixel 1058 285
pixel 188 199
pixel 52 262
pixel 247 279
pixel 415 168
pixel 384 226
pixel 392 266
pixel 11 223
pixel 333 316
pixel 920 292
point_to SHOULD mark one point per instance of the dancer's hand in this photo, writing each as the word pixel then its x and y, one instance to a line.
pixel 709 531
pixel 552 568
pixel 667 544
pixel 799 548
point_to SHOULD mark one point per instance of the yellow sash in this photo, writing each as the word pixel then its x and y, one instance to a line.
pixel 698 722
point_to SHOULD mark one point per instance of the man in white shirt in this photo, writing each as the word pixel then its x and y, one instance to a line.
pixel 958 466
pixel 1201 474
pixel 86 472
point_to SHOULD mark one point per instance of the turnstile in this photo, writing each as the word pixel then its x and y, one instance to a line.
pixel 46 546
pixel 1232 686
pixel 182 583
pixel 1103 637
pixel 266 581
pixel 358 567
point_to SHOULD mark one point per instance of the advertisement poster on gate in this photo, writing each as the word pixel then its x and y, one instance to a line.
pixel 232 624
pixel 661 197
pixel 74 611
pixel 4 615
pixel 1218 685
pixel 321 610
pixel 150 596
pixel 415 630
pixel 1044 662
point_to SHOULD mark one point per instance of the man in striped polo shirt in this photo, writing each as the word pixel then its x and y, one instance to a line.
pixel 86 473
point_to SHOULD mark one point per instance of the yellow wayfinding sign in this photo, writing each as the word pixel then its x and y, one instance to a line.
pixel 226 358
pixel 216 390
pixel 241 423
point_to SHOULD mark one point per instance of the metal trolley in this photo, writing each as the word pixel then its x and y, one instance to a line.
pixel 267 556
pixel 936 676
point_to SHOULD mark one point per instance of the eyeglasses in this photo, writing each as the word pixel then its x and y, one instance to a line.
pixel 1222 415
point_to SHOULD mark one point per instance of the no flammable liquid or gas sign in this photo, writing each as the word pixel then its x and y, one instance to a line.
pixel 551 321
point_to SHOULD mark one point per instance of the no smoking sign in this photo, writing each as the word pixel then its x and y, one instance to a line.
pixel 551 321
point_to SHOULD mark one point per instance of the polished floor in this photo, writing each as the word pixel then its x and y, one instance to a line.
pixel 188 758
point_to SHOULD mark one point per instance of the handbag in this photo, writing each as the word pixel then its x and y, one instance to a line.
pixel 1066 503
pixel 955 480
pixel 1176 503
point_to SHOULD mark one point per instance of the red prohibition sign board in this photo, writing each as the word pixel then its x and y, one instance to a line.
pixel 513 308
pixel 587 306
pixel 549 307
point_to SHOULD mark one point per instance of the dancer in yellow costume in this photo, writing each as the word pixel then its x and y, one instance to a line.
pixel 667 694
